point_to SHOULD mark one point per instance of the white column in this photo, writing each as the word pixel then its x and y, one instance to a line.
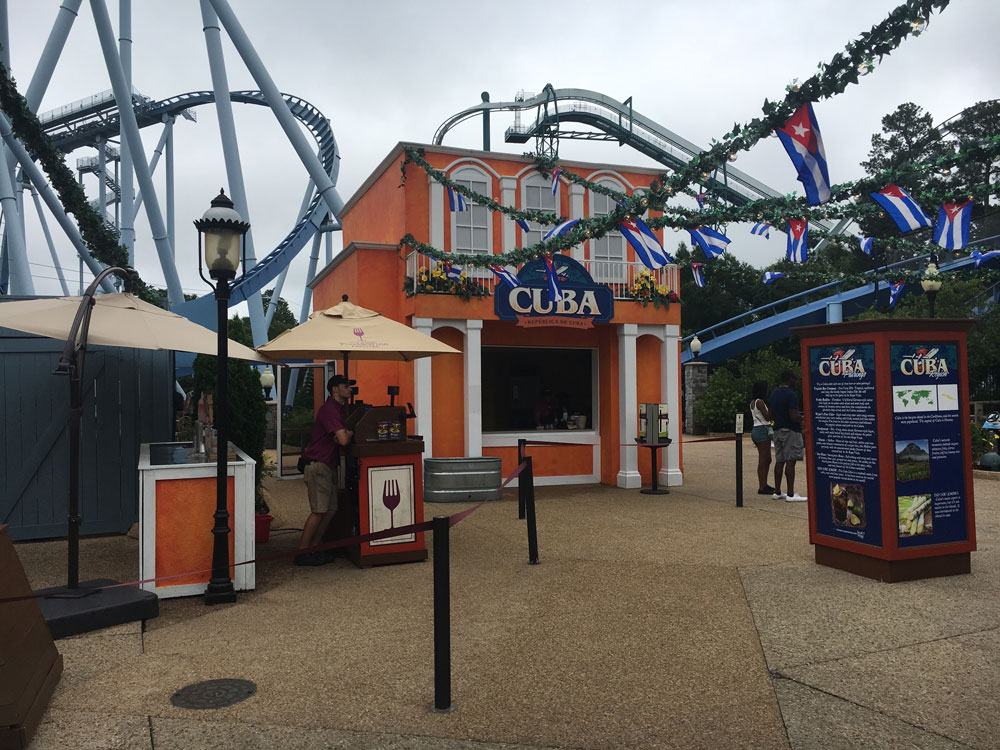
pixel 422 390
pixel 472 358
pixel 436 217
pixel 508 196
pixel 671 475
pixel 576 212
pixel 628 407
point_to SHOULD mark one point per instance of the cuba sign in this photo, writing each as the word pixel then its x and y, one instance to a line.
pixel 583 301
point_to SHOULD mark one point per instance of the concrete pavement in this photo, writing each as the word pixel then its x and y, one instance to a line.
pixel 651 622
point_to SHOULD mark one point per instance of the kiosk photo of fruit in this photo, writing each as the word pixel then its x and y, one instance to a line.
pixel 848 503
pixel 914 515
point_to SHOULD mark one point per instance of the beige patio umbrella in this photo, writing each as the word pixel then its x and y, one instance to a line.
pixel 353 332
pixel 119 320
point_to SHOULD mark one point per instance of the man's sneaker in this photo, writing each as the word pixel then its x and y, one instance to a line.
pixel 309 558
pixel 796 498
pixel 779 496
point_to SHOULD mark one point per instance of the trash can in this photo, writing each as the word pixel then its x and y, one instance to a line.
pixel 461 480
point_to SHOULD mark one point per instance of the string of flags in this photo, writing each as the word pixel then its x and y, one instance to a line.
pixel 952 229
pixel 699 275
pixel 771 276
pixel 555 291
pixel 905 211
pixel 506 276
pixel 711 242
pixel 979 258
pixel 802 141
pixel 866 245
pixel 555 180
pixel 457 201
pixel 797 250
pixel 644 242
pixel 894 291
pixel 762 229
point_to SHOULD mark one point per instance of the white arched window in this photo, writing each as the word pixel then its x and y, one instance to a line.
pixel 472 230
pixel 607 253
pixel 536 195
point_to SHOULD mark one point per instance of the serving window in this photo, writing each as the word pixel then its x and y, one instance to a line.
pixel 535 388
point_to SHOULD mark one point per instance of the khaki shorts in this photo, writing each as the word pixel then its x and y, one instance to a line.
pixel 321 484
pixel 787 445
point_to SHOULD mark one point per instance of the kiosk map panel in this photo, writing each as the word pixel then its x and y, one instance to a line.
pixel 843 413
pixel 927 439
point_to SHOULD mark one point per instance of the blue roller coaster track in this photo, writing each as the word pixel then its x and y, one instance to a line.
pixel 80 128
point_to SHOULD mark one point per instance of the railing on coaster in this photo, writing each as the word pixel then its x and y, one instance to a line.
pixel 619 275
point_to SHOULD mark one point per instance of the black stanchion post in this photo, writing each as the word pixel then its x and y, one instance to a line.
pixel 442 618
pixel 739 460
pixel 522 451
pixel 528 482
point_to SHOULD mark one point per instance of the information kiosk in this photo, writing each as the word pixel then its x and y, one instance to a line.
pixel 886 407
pixel 384 481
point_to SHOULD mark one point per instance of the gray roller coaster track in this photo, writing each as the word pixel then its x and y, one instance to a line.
pixel 85 127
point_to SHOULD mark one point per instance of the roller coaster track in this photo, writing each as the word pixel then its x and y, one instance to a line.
pixel 87 127
pixel 773 321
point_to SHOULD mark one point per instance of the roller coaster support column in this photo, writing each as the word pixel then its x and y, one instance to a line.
pixel 35 176
pixel 293 379
pixel 231 153
pixel 278 105
pixel 127 184
pixel 130 133
pixel 17 253
pixel 169 184
pixel 48 241
pixel 168 121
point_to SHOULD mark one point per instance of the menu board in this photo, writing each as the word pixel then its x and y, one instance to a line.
pixel 927 444
pixel 842 416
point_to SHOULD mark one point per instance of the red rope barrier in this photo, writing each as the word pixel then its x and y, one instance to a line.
pixel 350 541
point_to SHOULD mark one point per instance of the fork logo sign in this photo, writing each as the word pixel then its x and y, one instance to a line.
pixel 584 302
pixel 390 502
pixel 361 343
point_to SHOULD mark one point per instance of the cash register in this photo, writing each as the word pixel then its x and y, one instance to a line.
pixel 382 470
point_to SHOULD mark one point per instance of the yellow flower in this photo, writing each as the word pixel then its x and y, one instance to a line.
pixel 462 276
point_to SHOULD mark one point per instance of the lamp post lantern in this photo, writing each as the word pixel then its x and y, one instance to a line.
pixel 931 283
pixel 695 347
pixel 221 233
pixel 267 382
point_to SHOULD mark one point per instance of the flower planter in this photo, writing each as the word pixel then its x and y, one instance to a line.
pixel 263 526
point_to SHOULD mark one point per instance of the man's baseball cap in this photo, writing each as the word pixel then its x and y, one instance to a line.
pixel 339 380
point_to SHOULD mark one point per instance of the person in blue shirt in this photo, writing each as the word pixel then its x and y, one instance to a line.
pixel 784 407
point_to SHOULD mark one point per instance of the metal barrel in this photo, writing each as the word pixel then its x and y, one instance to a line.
pixel 461 480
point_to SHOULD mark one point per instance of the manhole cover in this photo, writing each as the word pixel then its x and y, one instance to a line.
pixel 213 694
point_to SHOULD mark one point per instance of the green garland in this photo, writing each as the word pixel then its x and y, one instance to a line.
pixel 832 78
pixel 99 238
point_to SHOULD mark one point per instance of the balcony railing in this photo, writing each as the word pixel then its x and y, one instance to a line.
pixel 619 275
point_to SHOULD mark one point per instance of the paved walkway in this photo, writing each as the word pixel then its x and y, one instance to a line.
pixel 676 621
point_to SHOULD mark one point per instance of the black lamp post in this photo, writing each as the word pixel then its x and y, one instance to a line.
pixel 931 283
pixel 223 231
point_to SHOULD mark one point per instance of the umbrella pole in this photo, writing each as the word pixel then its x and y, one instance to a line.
pixel 71 363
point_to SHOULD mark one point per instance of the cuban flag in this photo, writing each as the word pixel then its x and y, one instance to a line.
pixel 801 138
pixel 763 229
pixel 980 258
pixel 771 276
pixel 905 211
pixel 866 245
pixel 711 242
pixel 452 271
pixel 555 180
pixel 560 229
pixel 523 224
pixel 457 201
pixel 555 291
pixel 798 236
pixel 698 273
pixel 505 276
pixel 952 229
pixel 701 200
pixel 645 244
pixel 894 291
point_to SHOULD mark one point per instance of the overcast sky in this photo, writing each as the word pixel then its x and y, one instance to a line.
pixel 391 71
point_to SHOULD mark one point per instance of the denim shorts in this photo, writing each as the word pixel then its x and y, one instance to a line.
pixel 759 434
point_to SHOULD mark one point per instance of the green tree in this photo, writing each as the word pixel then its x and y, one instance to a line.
pixel 247 411
pixel 239 325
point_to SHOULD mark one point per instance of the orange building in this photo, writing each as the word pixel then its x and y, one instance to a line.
pixel 573 372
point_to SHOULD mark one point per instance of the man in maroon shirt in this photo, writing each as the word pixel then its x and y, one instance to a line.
pixel 321 459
